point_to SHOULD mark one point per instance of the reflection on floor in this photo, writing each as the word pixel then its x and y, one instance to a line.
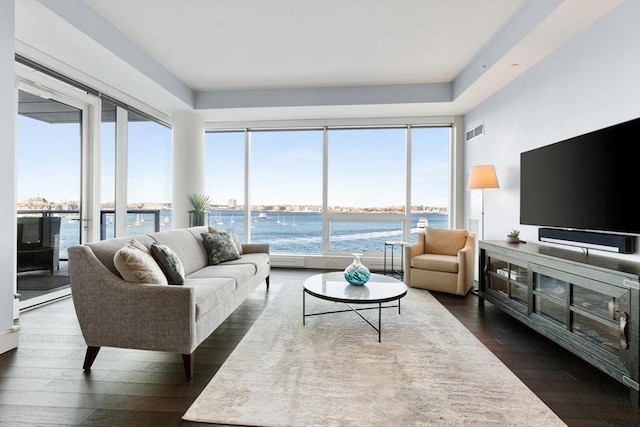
pixel 38 283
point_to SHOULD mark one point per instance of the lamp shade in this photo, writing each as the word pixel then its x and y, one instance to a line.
pixel 482 176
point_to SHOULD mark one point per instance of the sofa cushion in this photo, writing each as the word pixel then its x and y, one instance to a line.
pixel 210 292
pixel 234 236
pixel 135 263
pixel 444 241
pixel 436 262
pixel 220 246
pixel 238 272
pixel 186 245
pixel 258 260
pixel 169 262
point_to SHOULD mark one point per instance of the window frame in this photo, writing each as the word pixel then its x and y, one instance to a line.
pixel 326 126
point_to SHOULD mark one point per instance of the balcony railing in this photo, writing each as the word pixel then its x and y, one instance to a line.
pixel 139 221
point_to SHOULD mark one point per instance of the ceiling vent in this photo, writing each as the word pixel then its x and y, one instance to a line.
pixel 475 132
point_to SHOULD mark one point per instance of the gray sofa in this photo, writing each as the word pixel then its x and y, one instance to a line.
pixel 173 318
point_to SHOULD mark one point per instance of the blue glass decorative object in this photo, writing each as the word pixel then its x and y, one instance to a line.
pixel 357 273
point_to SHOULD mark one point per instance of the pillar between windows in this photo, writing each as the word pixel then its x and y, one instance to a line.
pixel 188 163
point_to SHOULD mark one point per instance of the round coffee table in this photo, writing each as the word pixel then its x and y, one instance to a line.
pixel 333 287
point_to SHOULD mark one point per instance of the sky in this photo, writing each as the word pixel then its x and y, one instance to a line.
pixel 365 167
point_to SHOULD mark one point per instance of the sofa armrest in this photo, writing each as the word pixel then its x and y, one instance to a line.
pixel 115 313
pixel 252 248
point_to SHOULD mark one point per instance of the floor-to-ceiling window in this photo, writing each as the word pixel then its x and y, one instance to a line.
pixel 149 175
pixel 366 187
pixel 67 140
pixel 286 189
pixel 107 169
pixel 52 135
pixel 430 172
pixel 49 143
pixel 224 180
pixel 331 190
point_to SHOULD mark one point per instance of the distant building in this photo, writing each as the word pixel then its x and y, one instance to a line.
pixel 232 203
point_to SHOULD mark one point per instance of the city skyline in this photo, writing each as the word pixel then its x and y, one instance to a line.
pixel 42 203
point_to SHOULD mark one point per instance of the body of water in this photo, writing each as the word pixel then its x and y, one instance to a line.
pixel 285 232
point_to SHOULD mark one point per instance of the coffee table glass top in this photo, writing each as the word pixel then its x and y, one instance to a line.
pixel 332 286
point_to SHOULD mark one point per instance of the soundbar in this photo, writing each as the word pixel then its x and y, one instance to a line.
pixel 588 239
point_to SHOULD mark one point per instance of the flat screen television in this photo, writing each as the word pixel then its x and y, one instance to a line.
pixel 589 182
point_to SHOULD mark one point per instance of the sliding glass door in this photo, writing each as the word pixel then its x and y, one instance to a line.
pixel 51 148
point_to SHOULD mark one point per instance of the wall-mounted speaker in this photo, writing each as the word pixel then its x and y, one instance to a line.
pixel 587 239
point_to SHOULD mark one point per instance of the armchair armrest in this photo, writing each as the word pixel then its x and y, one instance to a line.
pixel 466 265
pixel 410 251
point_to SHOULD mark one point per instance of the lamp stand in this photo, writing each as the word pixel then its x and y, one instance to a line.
pixel 482 213
pixel 475 288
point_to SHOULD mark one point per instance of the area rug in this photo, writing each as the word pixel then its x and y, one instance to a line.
pixel 427 370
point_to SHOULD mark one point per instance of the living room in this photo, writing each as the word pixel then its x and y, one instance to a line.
pixel 588 82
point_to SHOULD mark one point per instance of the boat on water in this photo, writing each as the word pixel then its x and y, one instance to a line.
pixel 262 215
pixel 218 219
pixel 423 223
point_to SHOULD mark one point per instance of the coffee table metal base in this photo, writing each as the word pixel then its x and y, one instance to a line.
pixel 379 307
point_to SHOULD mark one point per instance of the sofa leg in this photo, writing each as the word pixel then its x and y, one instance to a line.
pixel 188 359
pixel 267 280
pixel 92 352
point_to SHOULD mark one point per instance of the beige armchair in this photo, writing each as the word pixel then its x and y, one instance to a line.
pixel 441 260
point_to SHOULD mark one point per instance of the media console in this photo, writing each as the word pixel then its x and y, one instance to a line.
pixel 586 303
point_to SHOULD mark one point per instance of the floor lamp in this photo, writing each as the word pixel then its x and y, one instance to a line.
pixel 481 177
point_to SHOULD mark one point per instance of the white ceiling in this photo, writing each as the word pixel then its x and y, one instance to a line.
pixel 240 60
pixel 305 43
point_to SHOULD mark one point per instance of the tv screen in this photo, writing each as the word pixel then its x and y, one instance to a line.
pixel 589 182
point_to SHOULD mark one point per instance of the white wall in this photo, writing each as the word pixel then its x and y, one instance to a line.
pixel 8 338
pixel 591 82
pixel 188 163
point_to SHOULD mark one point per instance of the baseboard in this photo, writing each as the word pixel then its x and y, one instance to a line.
pixel 9 339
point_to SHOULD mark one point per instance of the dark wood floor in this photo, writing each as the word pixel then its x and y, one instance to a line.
pixel 41 383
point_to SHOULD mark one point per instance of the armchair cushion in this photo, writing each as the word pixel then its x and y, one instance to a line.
pixel 444 263
pixel 444 241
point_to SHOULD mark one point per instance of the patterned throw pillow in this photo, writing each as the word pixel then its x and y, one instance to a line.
pixel 169 263
pixel 234 236
pixel 220 247
pixel 135 263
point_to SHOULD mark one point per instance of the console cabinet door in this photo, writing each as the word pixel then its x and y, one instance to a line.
pixel 508 278
pixel 594 313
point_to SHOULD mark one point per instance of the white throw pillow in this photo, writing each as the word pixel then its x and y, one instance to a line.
pixel 135 263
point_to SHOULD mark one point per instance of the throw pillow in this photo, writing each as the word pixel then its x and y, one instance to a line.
pixel 135 263
pixel 220 247
pixel 169 263
pixel 234 236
